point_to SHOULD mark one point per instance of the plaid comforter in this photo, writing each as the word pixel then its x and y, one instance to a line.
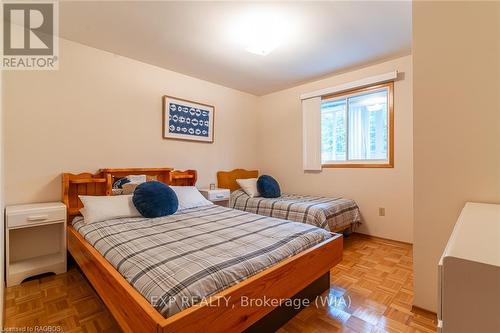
pixel 178 260
pixel 328 213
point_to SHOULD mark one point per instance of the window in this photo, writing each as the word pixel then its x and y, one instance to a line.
pixel 357 128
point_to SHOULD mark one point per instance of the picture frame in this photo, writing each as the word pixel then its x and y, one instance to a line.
pixel 187 120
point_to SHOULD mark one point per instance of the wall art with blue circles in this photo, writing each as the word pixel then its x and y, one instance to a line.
pixel 187 120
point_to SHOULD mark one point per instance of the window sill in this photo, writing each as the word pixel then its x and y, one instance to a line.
pixel 358 165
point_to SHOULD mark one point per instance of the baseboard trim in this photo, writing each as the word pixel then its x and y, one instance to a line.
pixel 381 238
pixel 415 308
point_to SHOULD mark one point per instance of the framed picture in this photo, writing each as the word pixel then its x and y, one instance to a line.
pixel 187 120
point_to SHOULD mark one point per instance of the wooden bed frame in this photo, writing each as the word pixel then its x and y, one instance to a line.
pixel 135 314
pixel 227 179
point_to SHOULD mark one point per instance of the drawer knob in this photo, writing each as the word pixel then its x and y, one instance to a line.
pixel 35 218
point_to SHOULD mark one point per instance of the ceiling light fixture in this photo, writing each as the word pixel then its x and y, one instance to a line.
pixel 261 31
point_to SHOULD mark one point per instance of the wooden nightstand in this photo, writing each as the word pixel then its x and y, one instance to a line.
pixel 35 240
pixel 219 196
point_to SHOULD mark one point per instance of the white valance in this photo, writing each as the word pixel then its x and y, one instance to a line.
pixel 352 85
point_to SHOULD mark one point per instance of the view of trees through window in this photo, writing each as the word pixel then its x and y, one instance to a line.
pixel 355 127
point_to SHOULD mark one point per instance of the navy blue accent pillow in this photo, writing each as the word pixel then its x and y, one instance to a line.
pixel 120 182
pixel 155 199
pixel 268 187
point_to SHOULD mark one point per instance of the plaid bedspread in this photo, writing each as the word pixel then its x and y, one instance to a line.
pixel 178 260
pixel 327 213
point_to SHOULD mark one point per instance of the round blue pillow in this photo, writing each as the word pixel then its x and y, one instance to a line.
pixel 155 199
pixel 268 187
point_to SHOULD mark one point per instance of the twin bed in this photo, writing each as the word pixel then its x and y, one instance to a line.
pixel 191 271
pixel 329 213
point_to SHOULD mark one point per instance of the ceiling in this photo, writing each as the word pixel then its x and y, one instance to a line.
pixel 199 39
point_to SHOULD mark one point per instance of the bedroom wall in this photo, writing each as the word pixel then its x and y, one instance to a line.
pixel 456 62
pixel 104 110
pixel 2 206
pixel 280 154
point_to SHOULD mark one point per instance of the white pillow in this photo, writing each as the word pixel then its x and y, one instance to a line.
pixel 249 185
pixel 137 179
pixel 102 208
pixel 189 197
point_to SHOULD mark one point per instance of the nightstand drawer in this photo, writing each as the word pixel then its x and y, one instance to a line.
pixel 216 195
pixel 35 215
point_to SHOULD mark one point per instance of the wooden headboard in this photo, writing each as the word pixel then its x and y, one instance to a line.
pixel 82 184
pixel 227 179
pixel 159 174
pixel 183 178
pixel 101 183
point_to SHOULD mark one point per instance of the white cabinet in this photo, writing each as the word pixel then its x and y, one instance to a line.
pixel 35 240
pixel 469 273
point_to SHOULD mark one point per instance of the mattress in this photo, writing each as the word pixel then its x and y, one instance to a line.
pixel 178 260
pixel 332 214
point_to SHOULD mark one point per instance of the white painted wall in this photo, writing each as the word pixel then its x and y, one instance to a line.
pixel 456 63
pixel 280 154
pixel 2 223
pixel 102 110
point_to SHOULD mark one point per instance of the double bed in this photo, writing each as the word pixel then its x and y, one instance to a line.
pixel 191 270
pixel 330 213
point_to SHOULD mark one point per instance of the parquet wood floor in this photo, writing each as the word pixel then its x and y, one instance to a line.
pixel 375 282
pixel 371 291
